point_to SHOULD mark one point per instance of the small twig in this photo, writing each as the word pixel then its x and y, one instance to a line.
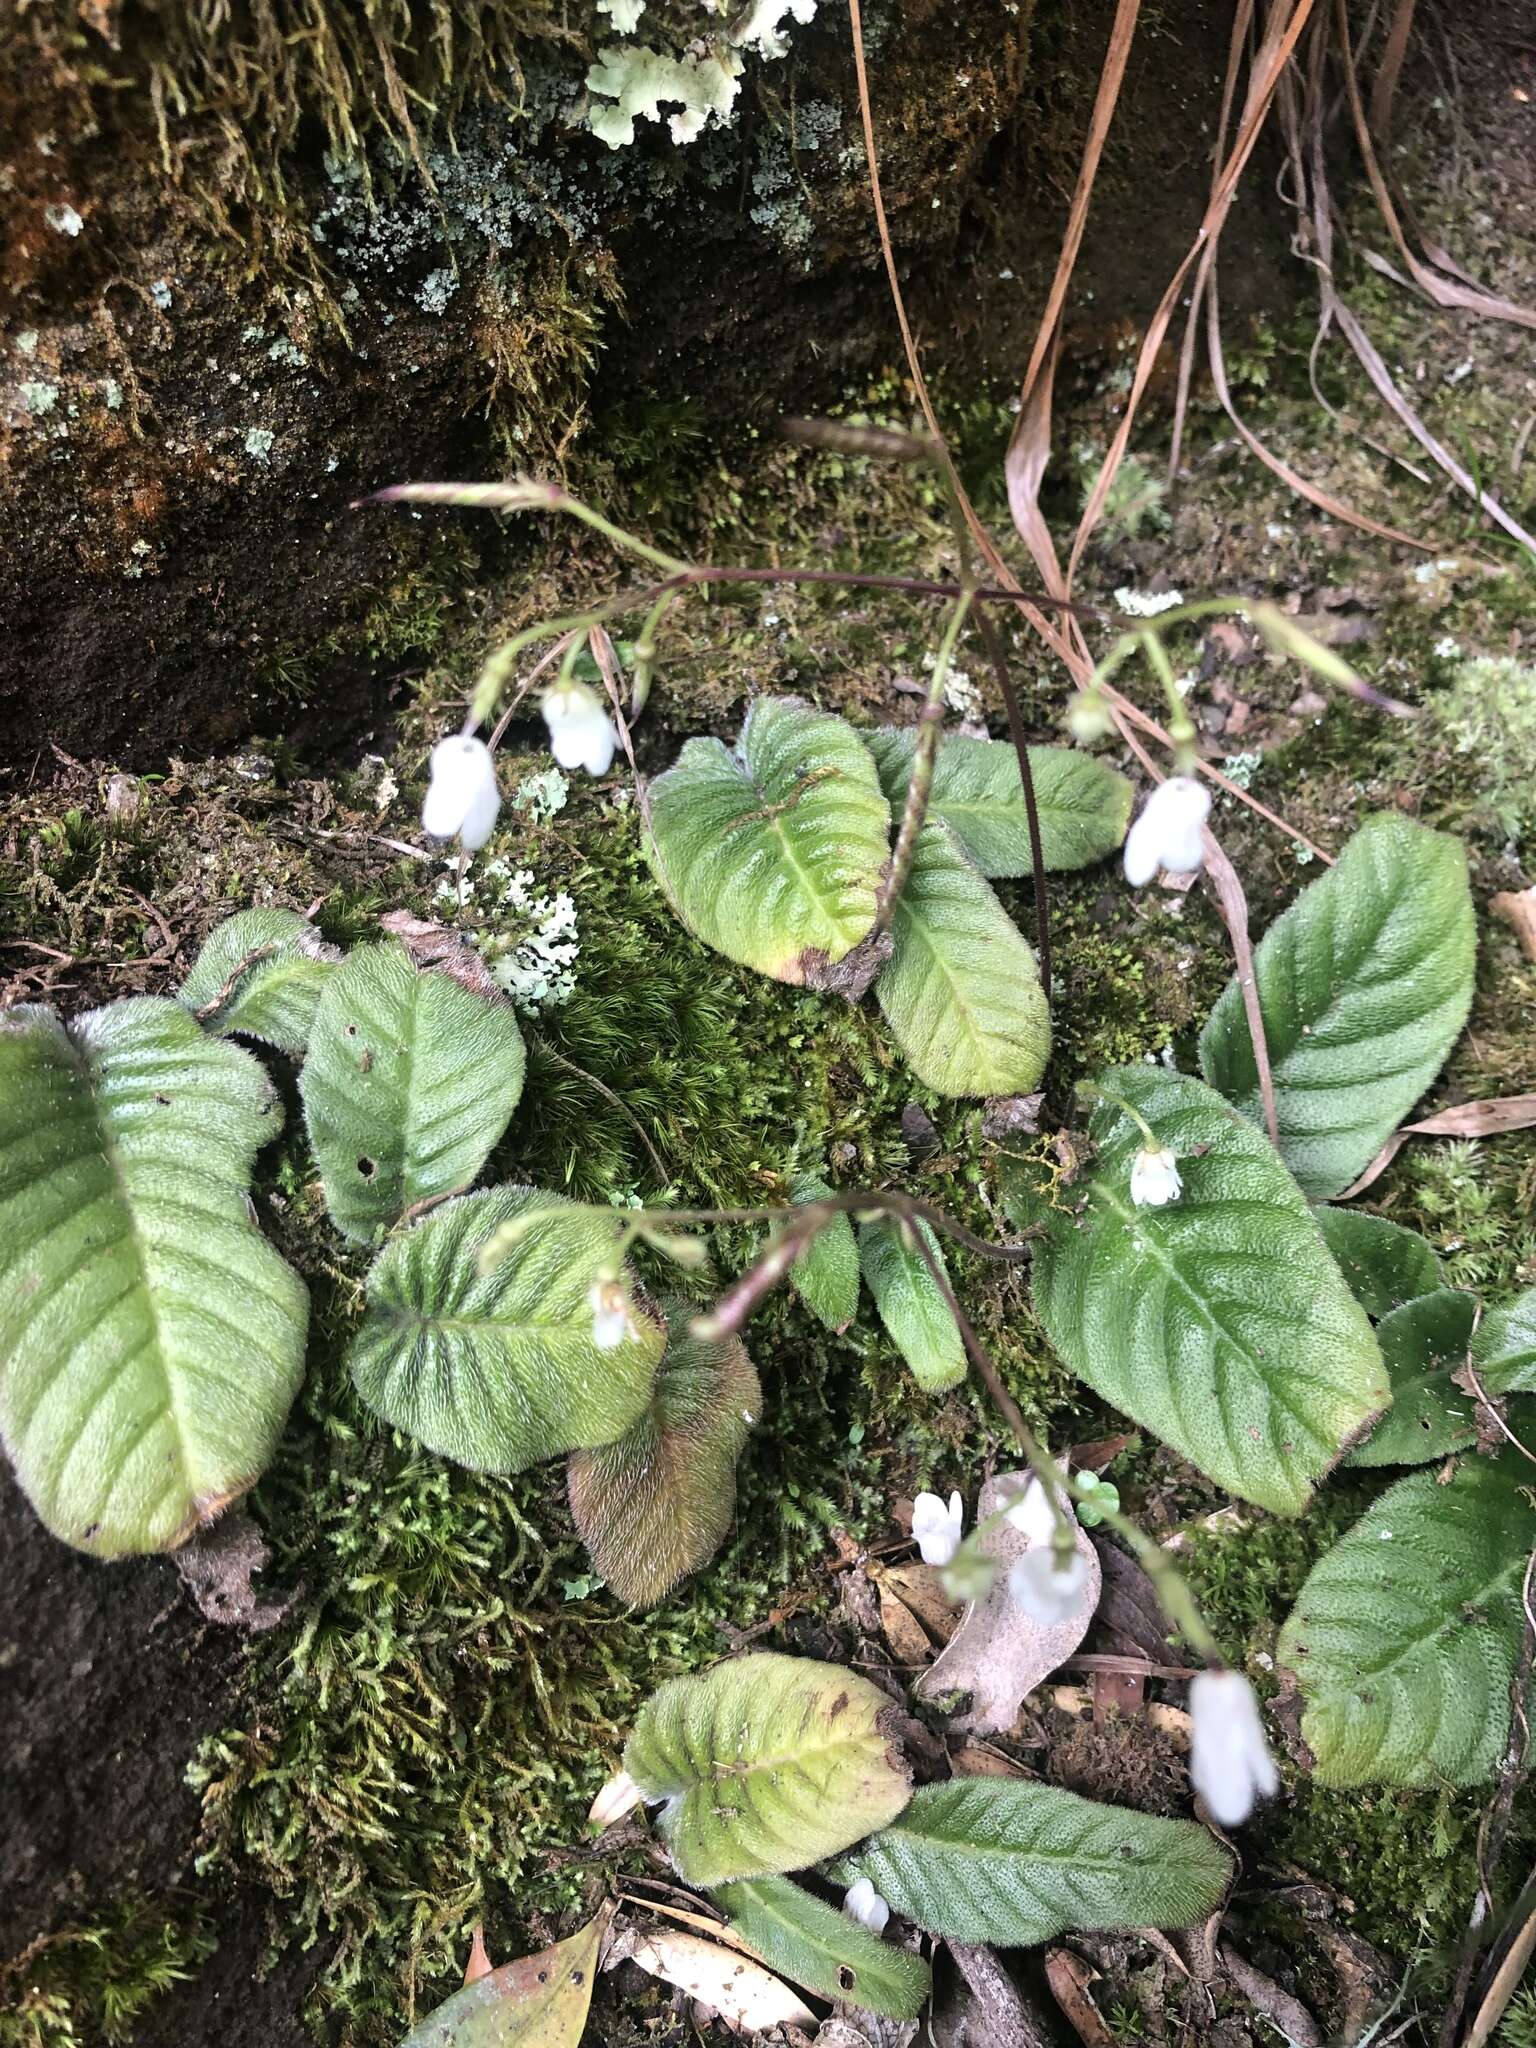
pixel 920 783
pixel 215 1003
pixel 559 1059
pixel 994 644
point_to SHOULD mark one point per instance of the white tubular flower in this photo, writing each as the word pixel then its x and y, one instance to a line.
pixel 1047 1591
pixel 462 798
pixel 937 1529
pixel 620 1796
pixel 863 1903
pixel 581 733
pixel 1167 833
pixel 611 1318
pixel 1031 1513
pixel 1155 1178
pixel 1229 1762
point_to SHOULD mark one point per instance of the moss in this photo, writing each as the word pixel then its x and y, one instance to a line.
pixel 84 1986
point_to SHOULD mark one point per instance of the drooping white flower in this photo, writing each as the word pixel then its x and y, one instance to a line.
pixel 1155 1178
pixel 1049 1590
pixel 581 734
pixel 462 798
pixel 1167 833
pixel 620 1796
pixel 612 1321
pixel 1031 1512
pixel 1229 1761
pixel 937 1528
pixel 863 1903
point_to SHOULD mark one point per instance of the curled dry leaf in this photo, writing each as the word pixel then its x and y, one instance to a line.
pixel 1467 1120
pixel 999 1654
pixel 1071 1979
pixel 915 1611
pixel 1517 908
pixel 742 1992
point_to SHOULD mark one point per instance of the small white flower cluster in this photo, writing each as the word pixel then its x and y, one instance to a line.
pixel 535 963
pixel 1146 604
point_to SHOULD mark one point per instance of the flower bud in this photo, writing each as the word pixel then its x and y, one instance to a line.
pixel 1167 833
pixel 462 798
pixel 1155 1178
pixel 937 1529
pixel 1049 1590
pixel 1088 718
pixel 1229 1763
pixel 863 1903
pixel 581 734
pixel 611 1318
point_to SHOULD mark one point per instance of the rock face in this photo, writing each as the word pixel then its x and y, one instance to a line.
pixel 256 270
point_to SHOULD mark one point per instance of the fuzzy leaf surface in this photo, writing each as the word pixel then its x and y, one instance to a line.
pixel 1504 1349
pixel 812 1943
pixel 260 973
pixel 915 1314
pixel 1423 1343
pixel 1083 803
pixel 1364 984
pixel 772 853
pixel 658 1503
pixel 961 991
pixel 410 1080
pixel 1384 1265
pixel 826 1274
pixel 1220 1322
pixel 539 2001
pixel 1404 1638
pixel 766 1764
pixel 1001 1861
pixel 499 1370
pixel 151 1340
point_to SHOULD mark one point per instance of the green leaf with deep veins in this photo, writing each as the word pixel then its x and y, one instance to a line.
pixel 826 1274
pixel 1221 1321
pixel 773 853
pixel 996 1860
pixel 1384 1264
pixel 151 1340
pixel 1364 984
pixel 766 1764
pixel 1504 1349
pixel 260 973
pixel 814 1945
pixel 539 2001
pixel 1084 805
pixel 961 992
pixel 410 1080
pixel 911 1305
pixel 1404 1640
pixel 1424 1344
pixel 498 1370
pixel 657 1504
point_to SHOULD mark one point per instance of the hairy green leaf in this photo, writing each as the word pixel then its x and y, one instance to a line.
pixel 1423 1343
pixel 537 2002
pixel 997 1860
pixel 498 1370
pixel 151 1340
pixel 1084 805
pixel 657 1504
pixel 826 1274
pixel 1504 1348
pixel 409 1082
pixel 1364 984
pixel 1221 1322
pixel 1385 1265
pixel 961 991
pixel 915 1314
pixel 772 854
pixel 813 1944
pixel 1404 1639
pixel 260 972
pixel 766 1764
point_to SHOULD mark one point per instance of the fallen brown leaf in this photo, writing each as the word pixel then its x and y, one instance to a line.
pixel 742 1992
pixel 1518 910
pixel 1468 1120
pixel 1069 1978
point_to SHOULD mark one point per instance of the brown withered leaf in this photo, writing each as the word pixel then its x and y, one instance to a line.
pixel 1468 1120
pixel 1070 1979
pixel 1517 908
pixel 440 946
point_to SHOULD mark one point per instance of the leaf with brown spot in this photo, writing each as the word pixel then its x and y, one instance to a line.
pixel 540 2001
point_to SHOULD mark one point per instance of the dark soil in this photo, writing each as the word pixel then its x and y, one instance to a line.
pixel 108 1679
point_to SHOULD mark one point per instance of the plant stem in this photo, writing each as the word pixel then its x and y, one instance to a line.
pixel 987 627
pixel 920 783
